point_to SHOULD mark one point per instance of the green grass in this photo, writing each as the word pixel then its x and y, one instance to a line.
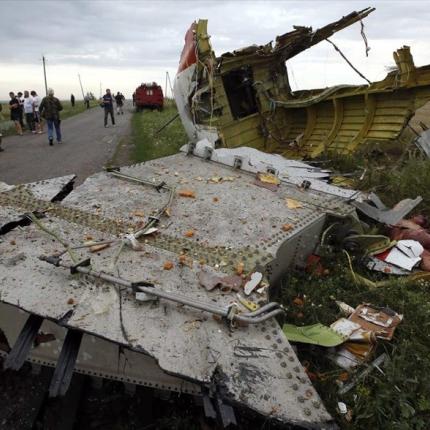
pixel 147 144
pixel 7 127
pixel 394 174
pixel 404 174
pixel 400 399
pixel 68 111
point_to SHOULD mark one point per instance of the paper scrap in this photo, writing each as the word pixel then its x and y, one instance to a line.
pixel 255 280
pixel 405 254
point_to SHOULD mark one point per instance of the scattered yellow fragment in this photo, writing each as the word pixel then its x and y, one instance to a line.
pixel 251 306
pixel 293 204
pixel 268 178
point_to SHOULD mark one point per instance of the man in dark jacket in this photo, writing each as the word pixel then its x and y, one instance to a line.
pixel 107 103
pixel 21 108
pixel 15 112
pixel 119 98
pixel 72 100
pixel 50 110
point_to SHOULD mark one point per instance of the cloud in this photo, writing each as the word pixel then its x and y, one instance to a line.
pixel 120 39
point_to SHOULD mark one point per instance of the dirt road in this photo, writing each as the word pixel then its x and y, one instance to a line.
pixel 86 147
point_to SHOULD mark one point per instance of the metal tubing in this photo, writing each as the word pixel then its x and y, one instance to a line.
pixel 262 314
pixel 185 300
pixel 264 308
pixel 255 320
pixel 134 179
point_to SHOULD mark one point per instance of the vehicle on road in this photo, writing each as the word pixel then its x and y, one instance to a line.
pixel 149 96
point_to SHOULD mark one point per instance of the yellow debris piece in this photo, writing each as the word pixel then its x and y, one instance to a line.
pixel 293 204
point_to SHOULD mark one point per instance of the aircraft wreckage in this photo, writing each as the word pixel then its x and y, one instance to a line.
pixel 164 274
pixel 243 98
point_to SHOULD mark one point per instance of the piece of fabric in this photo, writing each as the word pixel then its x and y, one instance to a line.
pixel 316 334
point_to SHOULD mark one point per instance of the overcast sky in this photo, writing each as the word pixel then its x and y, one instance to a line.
pixel 122 43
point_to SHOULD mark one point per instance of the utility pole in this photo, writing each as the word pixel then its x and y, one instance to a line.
pixel 80 82
pixel 170 84
pixel 44 74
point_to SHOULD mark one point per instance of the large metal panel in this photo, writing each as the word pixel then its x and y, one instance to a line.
pixel 233 220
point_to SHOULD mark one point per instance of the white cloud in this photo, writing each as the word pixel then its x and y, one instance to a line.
pixel 123 43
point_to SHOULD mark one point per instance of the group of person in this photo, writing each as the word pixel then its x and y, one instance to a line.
pixel 34 109
pixel 25 105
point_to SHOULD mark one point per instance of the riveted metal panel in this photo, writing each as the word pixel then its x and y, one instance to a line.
pixel 233 220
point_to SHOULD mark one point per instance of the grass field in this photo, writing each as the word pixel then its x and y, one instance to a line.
pixel 147 144
pixel 399 398
pixel 7 127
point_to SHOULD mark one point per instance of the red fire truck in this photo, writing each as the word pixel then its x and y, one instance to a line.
pixel 148 96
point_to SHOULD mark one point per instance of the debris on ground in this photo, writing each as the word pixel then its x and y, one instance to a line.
pixel 189 233
pixel 97 248
pixel 380 321
pixel 316 334
pixel 267 180
pixel 168 265
pixel 250 305
pixel 253 282
pixel 377 211
pixel 405 254
pixel 355 337
pixel 293 204
pixel 187 193
pixel 375 364
pixel 210 280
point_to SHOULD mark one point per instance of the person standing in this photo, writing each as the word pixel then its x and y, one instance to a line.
pixel 15 112
pixel 21 107
pixel 50 110
pixel 29 111
pixel 36 104
pixel 87 101
pixel 72 100
pixel 123 101
pixel 134 98
pixel 119 98
pixel 107 103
